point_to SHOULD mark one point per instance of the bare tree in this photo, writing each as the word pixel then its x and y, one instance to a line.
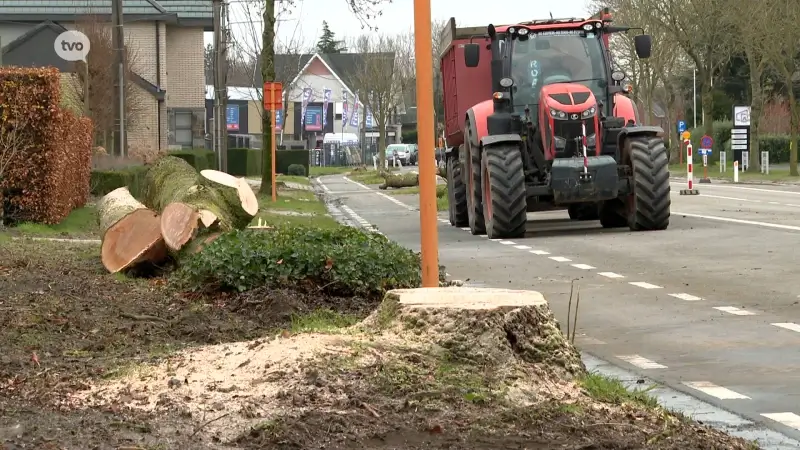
pixel 379 80
pixel 13 143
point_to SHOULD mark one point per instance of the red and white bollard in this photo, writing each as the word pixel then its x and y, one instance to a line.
pixel 689 171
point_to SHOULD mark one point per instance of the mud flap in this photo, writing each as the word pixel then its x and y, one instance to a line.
pixel 568 184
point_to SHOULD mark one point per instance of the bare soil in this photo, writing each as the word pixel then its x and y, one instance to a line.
pixel 96 361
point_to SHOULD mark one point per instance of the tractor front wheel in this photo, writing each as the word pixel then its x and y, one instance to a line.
pixel 456 194
pixel 504 195
pixel 477 223
pixel 648 208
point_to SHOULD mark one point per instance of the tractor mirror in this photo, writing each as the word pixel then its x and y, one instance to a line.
pixel 472 54
pixel 643 44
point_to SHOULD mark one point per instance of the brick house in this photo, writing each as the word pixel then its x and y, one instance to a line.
pixel 169 71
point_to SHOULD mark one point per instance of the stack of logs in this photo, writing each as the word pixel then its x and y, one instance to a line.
pixel 182 211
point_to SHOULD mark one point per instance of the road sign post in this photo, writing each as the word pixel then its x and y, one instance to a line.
pixel 273 102
pixel 740 134
pixel 735 171
pixel 706 146
pixel 723 161
pixel 689 172
pixel 765 162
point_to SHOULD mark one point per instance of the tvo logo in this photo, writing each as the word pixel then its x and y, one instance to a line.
pixel 72 46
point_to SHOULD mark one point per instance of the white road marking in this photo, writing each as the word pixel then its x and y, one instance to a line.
pixel 361 221
pixel 539 252
pixel 586 340
pixel 735 311
pixel 641 362
pixel 388 197
pixel 560 259
pixel 685 296
pixel 788 326
pixel 508 242
pixel 742 188
pixel 644 285
pixel 583 266
pixel 465 228
pixel 791 420
pixel 522 247
pixel 740 221
pixel 495 240
pixel 730 198
pixel 773 203
pixel 713 390
pixel 610 275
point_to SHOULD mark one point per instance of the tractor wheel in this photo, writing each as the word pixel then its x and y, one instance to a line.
pixel 648 208
pixel 505 202
pixel 477 224
pixel 456 194
pixel 583 211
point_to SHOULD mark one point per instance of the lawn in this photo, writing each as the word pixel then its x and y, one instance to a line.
pixel 81 222
pixel 775 175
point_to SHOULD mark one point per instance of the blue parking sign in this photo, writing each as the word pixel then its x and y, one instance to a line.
pixel 681 126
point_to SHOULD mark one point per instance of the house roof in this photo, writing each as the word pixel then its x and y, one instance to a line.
pixel 236 93
pixel 181 12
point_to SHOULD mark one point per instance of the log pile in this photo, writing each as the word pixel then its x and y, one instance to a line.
pixel 182 211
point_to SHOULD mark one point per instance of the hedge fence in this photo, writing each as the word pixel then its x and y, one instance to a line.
pixel 776 144
pixel 49 175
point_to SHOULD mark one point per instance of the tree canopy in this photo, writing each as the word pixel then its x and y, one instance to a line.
pixel 328 43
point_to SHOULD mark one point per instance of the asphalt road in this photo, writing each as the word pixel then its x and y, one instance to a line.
pixel 709 307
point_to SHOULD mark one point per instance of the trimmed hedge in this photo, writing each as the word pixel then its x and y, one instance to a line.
pixel 777 145
pixel 244 162
pixel 200 159
pixel 49 177
pixel 286 158
pixel 105 181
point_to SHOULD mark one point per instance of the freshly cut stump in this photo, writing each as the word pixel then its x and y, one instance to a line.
pixel 399 180
pixel 235 190
pixel 199 243
pixel 131 232
pixel 179 224
pixel 491 326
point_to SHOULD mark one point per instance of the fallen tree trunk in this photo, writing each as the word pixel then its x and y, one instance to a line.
pixel 131 233
pixel 236 191
pixel 399 180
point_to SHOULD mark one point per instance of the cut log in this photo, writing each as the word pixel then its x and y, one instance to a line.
pixel 235 190
pixel 168 180
pixel 199 243
pixel 207 218
pixel 399 180
pixel 179 224
pixel 131 232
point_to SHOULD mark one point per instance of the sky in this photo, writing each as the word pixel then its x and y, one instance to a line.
pixel 304 21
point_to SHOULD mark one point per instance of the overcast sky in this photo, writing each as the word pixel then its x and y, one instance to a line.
pixel 306 17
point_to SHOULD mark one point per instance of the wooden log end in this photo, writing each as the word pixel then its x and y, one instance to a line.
pixel 179 223
pixel 207 218
pixel 248 197
pixel 134 239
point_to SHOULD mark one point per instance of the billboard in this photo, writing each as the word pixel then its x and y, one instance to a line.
pixel 313 118
pixel 232 117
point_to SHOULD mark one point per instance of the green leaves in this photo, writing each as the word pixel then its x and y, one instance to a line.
pixel 342 261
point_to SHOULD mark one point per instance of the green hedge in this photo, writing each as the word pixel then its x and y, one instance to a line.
pixel 244 162
pixel 777 145
pixel 104 181
pixel 286 158
pixel 200 159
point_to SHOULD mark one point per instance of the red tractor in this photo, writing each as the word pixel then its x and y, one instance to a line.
pixel 537 119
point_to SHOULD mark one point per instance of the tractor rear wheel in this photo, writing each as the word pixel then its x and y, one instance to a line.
pixel 475 219
pixel 456 194
pixel 505 202
pixel 583 211
pixel 648 208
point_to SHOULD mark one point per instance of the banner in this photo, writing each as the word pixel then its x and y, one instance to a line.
pixel 344 110
pixel 232 117
pixel 279 120
pixel 307 94
pixel 313 119
pixel 354 118
pixel 326 98
pixel 369 121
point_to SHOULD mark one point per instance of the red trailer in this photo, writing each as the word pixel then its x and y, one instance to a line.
pixel 536 119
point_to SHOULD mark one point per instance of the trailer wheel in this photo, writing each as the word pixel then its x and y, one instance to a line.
pixel 505 202
pixel 648 207
pixel 583 211
pixel 475 219
pixel 456 194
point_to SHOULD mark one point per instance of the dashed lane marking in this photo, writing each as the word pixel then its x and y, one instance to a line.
pixel 361 221
pixel 713 390
pixel 583 266
pixel 644 285
pixel 686 297
pixel 735 311
pixel 739 221
pixel 560 259
pixel 641 362
pixel 610 275
pixel 788 326
pixel 539 252
pixel 508 242
pixel 387 197
pixel 522 247
pixel 788 419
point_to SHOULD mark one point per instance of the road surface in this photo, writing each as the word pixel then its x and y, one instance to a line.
pixel 709 307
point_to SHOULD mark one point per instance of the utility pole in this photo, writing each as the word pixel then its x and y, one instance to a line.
pixel 220 85
pixel 118 36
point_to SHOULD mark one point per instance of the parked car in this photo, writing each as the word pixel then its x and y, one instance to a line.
pixel 403 153
pixel 414 158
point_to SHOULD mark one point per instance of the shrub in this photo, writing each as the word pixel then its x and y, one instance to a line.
pixel 200 159
pixel 105 181
pixel 244 162
pixel 51 177
pixel 286 158
pixel 340 261
pixel 297 170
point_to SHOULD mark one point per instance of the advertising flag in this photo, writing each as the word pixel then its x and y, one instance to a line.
pixel 307 94
pixel 344 109
pixel 354 118
pixel 326 98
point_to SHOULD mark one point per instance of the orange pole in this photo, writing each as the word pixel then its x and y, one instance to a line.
pixel 272 113
pixel 427 170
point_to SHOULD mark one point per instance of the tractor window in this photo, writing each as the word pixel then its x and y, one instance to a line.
pixel 556 57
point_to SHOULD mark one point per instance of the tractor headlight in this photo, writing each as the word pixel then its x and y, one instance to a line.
pixel 589 113
pixel 556 114
pixel 591 141
pixel 561 143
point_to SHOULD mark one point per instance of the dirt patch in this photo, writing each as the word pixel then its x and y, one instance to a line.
pixel 437 373
pixel 66 324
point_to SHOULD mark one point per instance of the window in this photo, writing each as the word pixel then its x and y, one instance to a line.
pixel 187 127
pixel 183 128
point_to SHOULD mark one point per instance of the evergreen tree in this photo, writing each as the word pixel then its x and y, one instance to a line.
pixel 327 42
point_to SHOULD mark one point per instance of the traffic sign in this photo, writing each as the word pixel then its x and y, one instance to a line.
pixel 681 126
pixel 707 142
pixel 273 96
pixel 704 151
pixel 686 135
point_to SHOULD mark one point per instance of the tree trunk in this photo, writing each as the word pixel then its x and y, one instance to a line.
pixel 795 122
pixel 756 105
pixel 706 102
pixel 382 139
pixel 131 232
pixel 267 74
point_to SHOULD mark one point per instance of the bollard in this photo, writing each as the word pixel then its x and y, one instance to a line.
pixel 705 178
pixel 736 171
pixel 723 162
pixel 689 175
pixel 765 162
